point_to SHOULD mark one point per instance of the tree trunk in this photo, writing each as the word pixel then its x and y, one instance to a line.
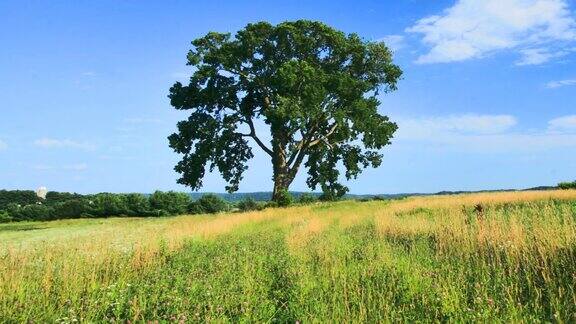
pixel 280 186
pixel 282 177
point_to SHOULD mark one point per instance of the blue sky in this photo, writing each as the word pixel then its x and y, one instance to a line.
pixel 488 98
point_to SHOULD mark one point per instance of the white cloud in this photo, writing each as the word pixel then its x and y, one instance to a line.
pixel 3 145
pixel 461 124
pixel 49 143
pixel 476 28
pixel 563 124
pixel 514 142
pixel 485 133
pixel 42 167
pixel 394 42
pixel 536 56
pixel 560 83
pixel 76 167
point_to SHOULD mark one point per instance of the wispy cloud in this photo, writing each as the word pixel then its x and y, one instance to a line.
pixel 69 167
pixel 116 157
pixel 394 42
pixel 42 167
pixel 76 167
pixel 3 145
pixel 456 124
pixel 485 133
pixel 563 124
pixel 472 29
pixel 537 56
pixel 561 83
pixel 143 120
pixel 89 74
pixel 51 143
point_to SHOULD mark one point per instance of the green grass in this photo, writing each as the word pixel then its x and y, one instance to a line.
pixel 421 259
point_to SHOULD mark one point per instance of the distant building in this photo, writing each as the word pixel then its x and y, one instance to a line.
pixel 41 192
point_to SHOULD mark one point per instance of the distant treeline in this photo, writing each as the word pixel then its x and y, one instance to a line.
pixel 267 195
pixel 262 196
pixel 24 205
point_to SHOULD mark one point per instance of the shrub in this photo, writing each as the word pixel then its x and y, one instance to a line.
pixel 248 204
pixel 332 192
pixel 271 204
pixel 71 209
pixel 13 209
pixel 30 212
pixel 54 197
pixel 211 204
pixel 5 217
pixel 307 198
pixel 567 185
pixel 19 197
pixel 108 204
pixel 284 198
pixel 137 204
pixel 172 202
pixel 195 208
pixel 328 196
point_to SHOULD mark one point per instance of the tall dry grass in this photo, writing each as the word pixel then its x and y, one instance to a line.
pixel 419 258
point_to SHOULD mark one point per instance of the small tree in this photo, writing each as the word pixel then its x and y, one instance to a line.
pixel 173 203
pixel 137 204
pixel 313 86
pixel 71 209
pixel 53 197
pixel 248 204
pixel 283 198
pixel 307 198
pixel 34 212
pixel 20 197
pixel 109 204
pixel 5 217
pixel 567 185
pixel 211 204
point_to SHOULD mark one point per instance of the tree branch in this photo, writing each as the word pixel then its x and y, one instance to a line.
pixel 323 138
pixel 294 154
pixel 293 169
pixel 253 135
pixel 304 144
pixel 299 146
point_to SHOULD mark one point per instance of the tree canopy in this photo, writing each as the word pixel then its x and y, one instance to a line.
pixel 314 87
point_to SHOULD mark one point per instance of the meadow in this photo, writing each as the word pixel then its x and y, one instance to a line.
pixel 436 258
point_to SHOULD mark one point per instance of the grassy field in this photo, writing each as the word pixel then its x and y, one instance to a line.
pixel 417 259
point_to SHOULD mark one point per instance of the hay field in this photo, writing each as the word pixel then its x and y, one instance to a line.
pixel 434 258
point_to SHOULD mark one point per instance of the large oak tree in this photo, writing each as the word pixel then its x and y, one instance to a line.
pixel 314 87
